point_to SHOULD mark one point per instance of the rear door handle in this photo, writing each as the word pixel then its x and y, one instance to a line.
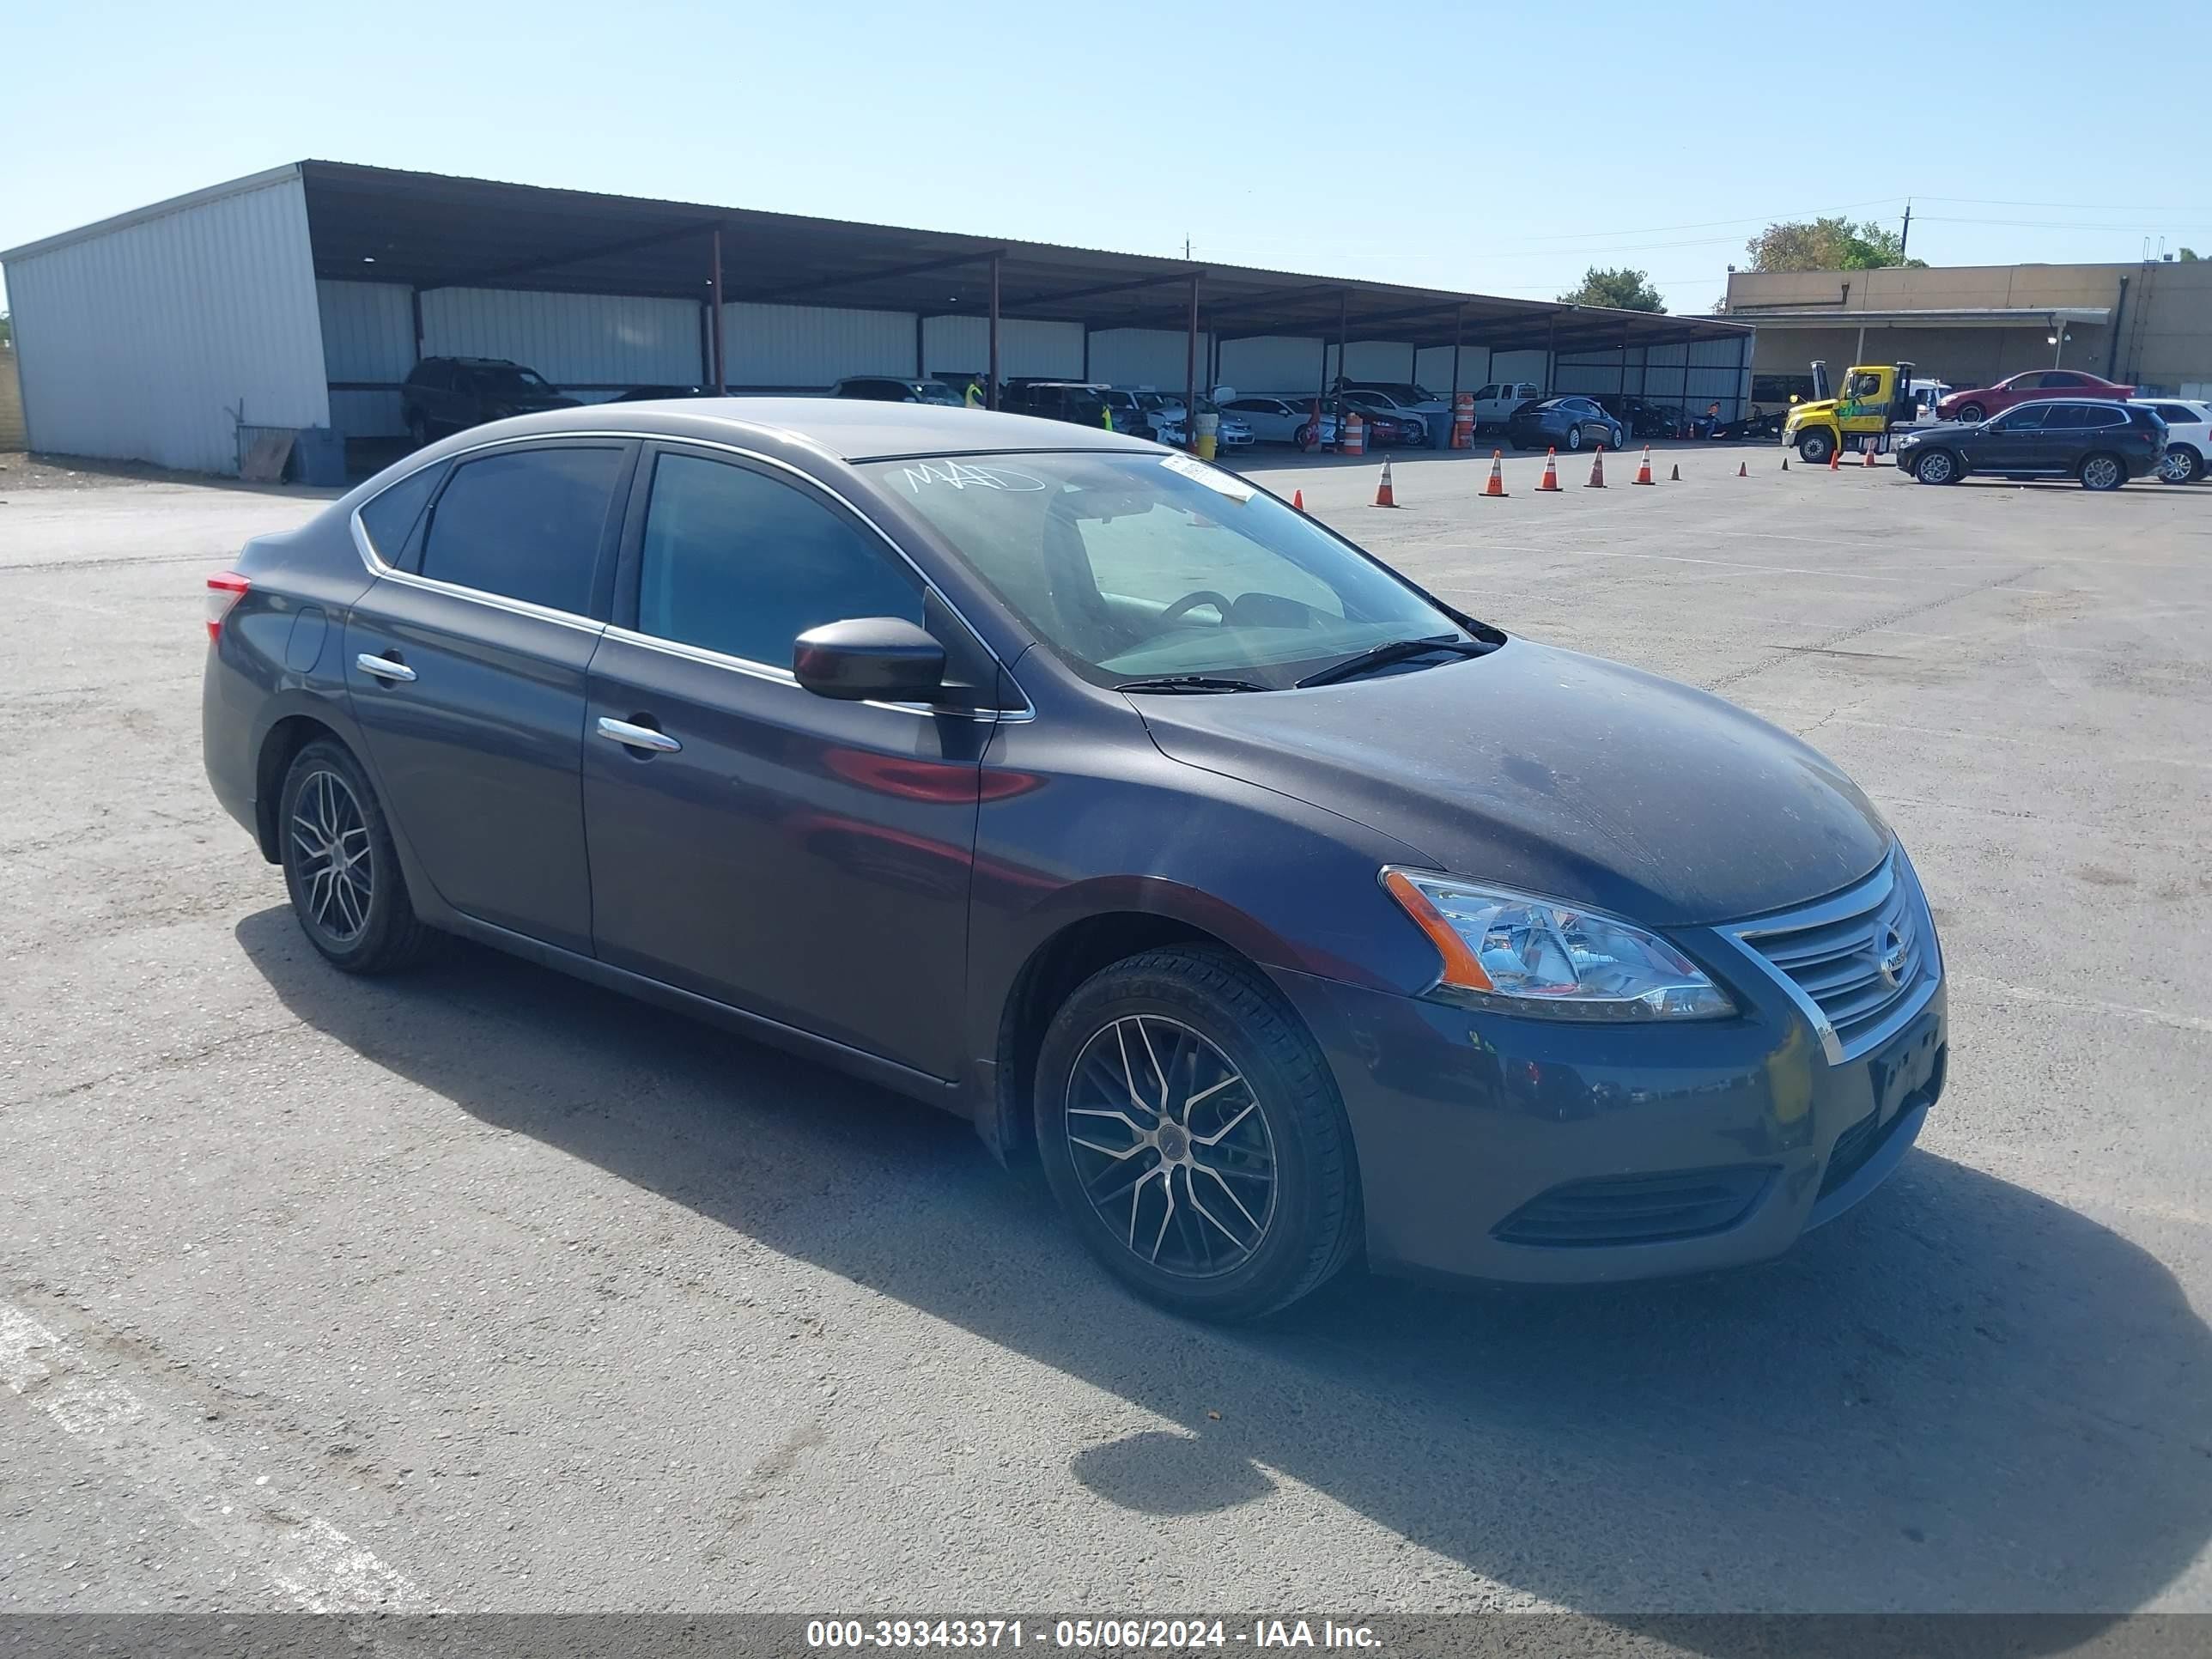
pixel 638 737
pixel 384 668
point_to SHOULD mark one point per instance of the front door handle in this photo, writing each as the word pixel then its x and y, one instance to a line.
pixel 384 668
pixel 638 737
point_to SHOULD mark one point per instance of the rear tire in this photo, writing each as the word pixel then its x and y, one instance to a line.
pixel 349 894
pixel 2102 471
pixel 1259 1203
pixel 418 428
pixel 1574 437
pixel 1971 414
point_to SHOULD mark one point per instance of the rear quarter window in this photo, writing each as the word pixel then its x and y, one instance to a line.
pixel 389 519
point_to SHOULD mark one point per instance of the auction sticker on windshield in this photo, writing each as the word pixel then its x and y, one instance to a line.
pixel 1222 483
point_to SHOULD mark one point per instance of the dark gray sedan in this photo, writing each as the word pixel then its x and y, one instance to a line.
pixel 1285 912
pixel 1568 423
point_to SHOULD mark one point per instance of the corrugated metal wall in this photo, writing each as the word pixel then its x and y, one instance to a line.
pixel 368 338
pixel 1518 366
pixel 1146 357
pixel 579 341
pixel 1379 360
pixel 147 342
pixel 1272 363
pixel 1694 376
pixel 808 346
pixel 1434 368
pixel 963 345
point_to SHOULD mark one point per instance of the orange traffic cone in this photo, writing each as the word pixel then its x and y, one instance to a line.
pixel 1868 453
pixel 1298 500
pixel 1551 480
pixel 1675 476
pixel 1597 469
pixel 1497 484
pixel 1743 468
pixel 1383 495
pixel 1643 472
pixel 1836 457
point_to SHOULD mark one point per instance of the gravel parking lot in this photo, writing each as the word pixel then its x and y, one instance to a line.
pixel 484 1289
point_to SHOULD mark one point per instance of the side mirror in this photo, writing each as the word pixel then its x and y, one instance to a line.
pixel 877 658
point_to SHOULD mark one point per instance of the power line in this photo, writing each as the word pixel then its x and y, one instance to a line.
pixel 2081 207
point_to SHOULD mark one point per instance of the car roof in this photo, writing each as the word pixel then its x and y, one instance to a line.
pixel 847 429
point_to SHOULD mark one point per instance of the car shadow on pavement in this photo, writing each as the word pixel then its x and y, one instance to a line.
pixel 1959 1396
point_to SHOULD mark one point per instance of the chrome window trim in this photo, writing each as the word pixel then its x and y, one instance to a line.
pixel 1861 896
pixel 379 569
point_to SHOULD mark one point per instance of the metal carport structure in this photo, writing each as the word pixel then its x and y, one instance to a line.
pixel 391 256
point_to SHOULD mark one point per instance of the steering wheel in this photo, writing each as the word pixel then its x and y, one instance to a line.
pixel 1190 602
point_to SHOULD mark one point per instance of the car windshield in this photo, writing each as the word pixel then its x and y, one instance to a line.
pixel 1138 567
pixel 936 391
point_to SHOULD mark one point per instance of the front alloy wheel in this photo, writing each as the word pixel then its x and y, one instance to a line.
pixel 1935 467
pixel 2182 465
pixel 1172 1146
pixel 1193 1133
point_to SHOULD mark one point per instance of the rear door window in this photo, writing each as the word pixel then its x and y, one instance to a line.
pixel 2068 417
pixel 525 525
pixel 2063 377
pixel 2178 415
pixel 739 562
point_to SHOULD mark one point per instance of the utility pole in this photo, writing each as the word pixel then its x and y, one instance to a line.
pixel 1186 247
pixel 1905 241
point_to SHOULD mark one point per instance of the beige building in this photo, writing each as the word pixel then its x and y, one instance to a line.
pixel 2149 325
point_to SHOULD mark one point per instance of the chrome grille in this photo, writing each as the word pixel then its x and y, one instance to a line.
pixel 1859 963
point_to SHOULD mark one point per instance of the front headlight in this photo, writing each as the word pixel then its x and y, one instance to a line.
pixel 1523 955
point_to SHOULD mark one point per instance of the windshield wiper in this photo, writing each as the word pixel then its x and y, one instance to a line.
pixel 1390 651
pixel 1189 682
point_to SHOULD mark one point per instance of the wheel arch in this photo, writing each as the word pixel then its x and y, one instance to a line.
pixel 286 736
pixel 1093 928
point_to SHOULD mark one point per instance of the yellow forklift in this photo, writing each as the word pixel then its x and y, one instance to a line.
pixel 1875 400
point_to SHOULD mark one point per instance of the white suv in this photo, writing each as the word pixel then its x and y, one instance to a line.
pixel 2188 436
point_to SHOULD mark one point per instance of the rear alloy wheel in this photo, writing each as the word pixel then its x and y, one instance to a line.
pixel 1937 467
pixel 1972 414
pixel 418 428
pixel 341 868
pixel 1574 437
pixel 2182 465
pixel 1194 1136
pixel 2103 472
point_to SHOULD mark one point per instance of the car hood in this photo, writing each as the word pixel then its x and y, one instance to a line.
pixel 1557 774
pixel 1814 406
pixel 1941 429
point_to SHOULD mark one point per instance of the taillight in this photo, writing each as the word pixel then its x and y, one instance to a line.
pixel 225 589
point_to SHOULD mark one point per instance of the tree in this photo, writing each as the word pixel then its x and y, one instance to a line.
pixel 1623 290
pixel 1828 244
pixel 8 335
pixel 2189 256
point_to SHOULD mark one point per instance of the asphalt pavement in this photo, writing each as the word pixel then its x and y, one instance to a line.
pixel 484 1289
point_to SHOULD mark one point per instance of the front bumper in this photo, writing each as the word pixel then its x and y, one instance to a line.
pixel 1501 1147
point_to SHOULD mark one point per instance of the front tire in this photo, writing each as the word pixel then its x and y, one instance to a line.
pixel 2102 472
pixel 1937 467
pixel 2182 465
pixel 1194 1135
pixel 1814 447
pixel 341 868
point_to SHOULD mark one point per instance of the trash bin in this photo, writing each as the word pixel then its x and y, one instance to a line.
pixel 1209 433
pixel 318 455
pixel 1439 423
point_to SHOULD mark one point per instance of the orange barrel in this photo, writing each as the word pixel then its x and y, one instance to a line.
pixel 1351 438
pixel 1463 420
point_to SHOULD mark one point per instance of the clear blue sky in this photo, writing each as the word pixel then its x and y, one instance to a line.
pixel 1506 150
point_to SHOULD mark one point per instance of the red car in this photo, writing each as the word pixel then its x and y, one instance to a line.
pixel 1980 404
